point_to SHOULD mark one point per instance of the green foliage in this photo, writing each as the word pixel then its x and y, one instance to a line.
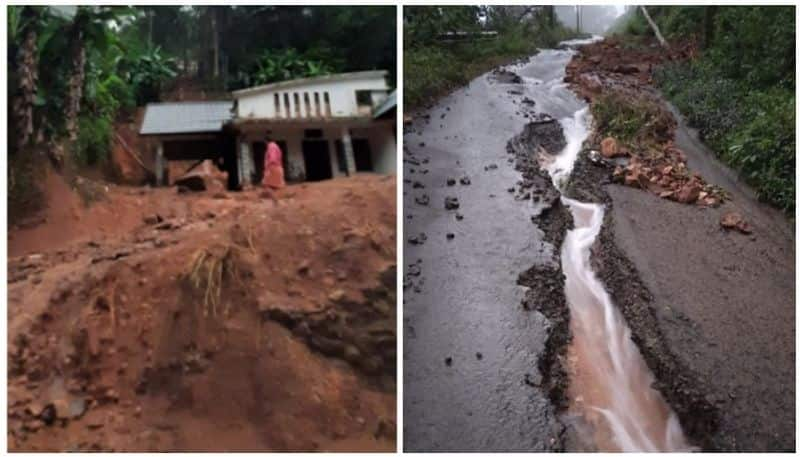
pixel 285 64
pixel 740 93
pixel 94 140
pixel 627 118
pixel 752 130
pixel 755 45
pixel 147 72
pixel 432 66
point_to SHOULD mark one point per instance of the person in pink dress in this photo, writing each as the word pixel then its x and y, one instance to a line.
pixel 273 170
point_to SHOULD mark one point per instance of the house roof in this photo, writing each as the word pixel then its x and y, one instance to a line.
pixel 388 104
pixel 186 117
pixel 315 80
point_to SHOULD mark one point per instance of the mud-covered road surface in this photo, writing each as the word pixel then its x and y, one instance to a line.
pixel 472 351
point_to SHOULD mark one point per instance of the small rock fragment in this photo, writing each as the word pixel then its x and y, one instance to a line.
pixel 451 203
pixel 734 220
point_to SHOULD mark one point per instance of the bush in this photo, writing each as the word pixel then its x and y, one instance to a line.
pixel 94 140
pixel 762 147
pixel 751 130
pixel 433 69
pixel 429 71
pixel 628 118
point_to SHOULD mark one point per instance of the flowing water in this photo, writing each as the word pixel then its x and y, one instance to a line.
pixel 610 384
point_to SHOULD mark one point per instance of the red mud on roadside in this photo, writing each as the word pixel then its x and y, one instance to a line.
pixel 612 72
pixel 154 321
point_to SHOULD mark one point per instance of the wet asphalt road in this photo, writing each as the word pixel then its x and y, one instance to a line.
pixel 724 300
pixel 469 345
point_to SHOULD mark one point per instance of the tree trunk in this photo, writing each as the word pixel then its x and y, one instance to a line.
pixel 654 27
pixel 76 86
pixel 215 42
pixel 28 76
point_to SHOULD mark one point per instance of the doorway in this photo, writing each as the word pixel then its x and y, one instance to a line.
pixel 317 159
pixel 362 154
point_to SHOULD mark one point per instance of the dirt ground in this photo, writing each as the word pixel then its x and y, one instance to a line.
pixel 711 309
pixel 155 321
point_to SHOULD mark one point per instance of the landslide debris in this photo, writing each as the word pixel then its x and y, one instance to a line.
pixel 173 341
pixel 633 129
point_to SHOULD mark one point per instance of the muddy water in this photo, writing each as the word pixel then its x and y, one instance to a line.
pixel 610 384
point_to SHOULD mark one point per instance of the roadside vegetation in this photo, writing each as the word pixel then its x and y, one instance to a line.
pixel 739 91
pixel 445 47
pixel 74 73
pixel 630 119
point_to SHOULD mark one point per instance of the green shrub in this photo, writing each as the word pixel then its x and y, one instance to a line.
pixel 94 140
pixel 751 130
pixel 431 70
pixel 762 147
pixel 630 119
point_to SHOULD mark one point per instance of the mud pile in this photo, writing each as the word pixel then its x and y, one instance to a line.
pixel 619 75
pixel 614 64
pixel 174 336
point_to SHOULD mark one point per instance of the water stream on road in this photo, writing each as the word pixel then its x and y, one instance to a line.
pixel 610 383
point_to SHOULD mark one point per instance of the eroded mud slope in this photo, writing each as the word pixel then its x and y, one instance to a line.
pixel 222 323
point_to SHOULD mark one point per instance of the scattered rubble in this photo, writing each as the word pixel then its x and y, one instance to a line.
pixel 654 164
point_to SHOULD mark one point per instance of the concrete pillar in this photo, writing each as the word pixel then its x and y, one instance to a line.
pixel 349 158
pixel 160 164
pixel 246 166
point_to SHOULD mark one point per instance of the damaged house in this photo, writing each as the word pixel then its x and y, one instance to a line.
pixel 328 126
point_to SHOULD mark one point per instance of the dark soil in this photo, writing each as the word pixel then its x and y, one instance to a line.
pixel 545 282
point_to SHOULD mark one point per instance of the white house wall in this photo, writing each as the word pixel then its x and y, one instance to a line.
pixel 342 94
pixel 382 145
pixel 380 137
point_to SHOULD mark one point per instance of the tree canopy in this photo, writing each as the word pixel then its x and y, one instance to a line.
pixel 74 70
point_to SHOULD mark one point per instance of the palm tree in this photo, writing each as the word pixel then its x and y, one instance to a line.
pixel 23 22
pixel 89 27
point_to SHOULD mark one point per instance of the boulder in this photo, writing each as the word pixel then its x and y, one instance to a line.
pixel 205 176
pixel 609 148
pixel 689 193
